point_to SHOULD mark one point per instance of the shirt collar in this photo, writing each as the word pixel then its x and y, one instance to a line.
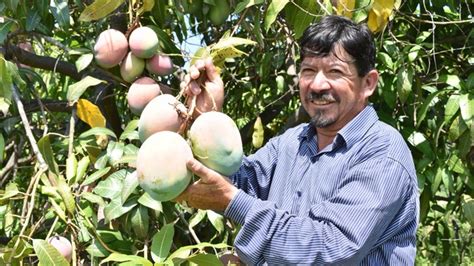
pixel 350 133
pixel 357 127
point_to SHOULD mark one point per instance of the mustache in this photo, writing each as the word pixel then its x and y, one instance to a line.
pixel 325 96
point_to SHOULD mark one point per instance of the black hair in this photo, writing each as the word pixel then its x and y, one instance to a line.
pixel 319 39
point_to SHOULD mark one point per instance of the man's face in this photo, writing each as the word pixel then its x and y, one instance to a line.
pixel 331 91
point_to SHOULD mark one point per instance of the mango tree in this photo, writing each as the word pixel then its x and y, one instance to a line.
pixel 76 77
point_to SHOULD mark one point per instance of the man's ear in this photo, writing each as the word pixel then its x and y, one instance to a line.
pixel 370 82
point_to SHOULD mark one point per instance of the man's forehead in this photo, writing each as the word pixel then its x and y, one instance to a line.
pixel 337 55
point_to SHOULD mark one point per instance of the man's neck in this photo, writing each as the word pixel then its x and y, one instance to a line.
pixel 325 137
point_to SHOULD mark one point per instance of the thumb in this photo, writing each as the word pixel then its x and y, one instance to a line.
pixel 207 175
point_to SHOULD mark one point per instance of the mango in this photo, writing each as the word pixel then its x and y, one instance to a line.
pixel 161 165
pixel 141 92
pixel 110 48
pixel 63 245
pixel 143 42
pixel 160 114
pixel 159 65
pixel 216 142
pixel 131 67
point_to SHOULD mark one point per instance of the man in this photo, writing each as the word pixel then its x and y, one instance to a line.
pixel 341 189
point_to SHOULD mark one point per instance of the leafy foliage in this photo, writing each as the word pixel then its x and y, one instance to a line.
pixel 64 171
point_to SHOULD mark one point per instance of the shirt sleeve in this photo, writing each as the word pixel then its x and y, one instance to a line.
pixel 340 230
pixel 254 176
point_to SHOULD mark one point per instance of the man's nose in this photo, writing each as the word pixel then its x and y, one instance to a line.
pixel 320 82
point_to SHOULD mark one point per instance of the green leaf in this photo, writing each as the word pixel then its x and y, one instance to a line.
pixel 246 4
pixel 32 20
pixel 419 141
pixel 468 210
pixel 386 60
pixel 404 83
pixel 60 11
pixel 147 201
pixel 161 243
pixel 12 4
pixel 421 113
pixel 11 190
pixel 93 198
pixel 129 185
pixel 6 92
pixel 272 12
pixel 146 6
pixel 183 252
pixel 140 222
pixel 115 151
pixel 76 90
pixel 47 254
pixel 451 107
pixel 95 176
pixel 84 61
pixel 98 131
pixel 71 167
pixel 99 9
pixel 216 220
pixel 82 167
pixel 205 259
pixel 97 250
pixel 130 132
pixel 197 218
pixel 116 209
pixel 466 104
pixel 456 165
pixel 136 260
pixel 439 177
pixel 227 42
pixel 457 128
pixel 300 14
pixel 413 53
pixel 44 146
pixel 112 186
pixel 65 192
pixel 451 80
pixel 4 30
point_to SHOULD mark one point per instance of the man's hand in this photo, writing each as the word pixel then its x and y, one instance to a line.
pixel 204 82
pixel 212 191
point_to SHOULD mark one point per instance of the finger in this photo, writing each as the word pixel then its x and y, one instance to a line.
pixel 194 88
pixel 195 70
pixel 207 175
pixel 211 70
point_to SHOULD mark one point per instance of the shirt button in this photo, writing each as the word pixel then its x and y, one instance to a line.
pixel 298 193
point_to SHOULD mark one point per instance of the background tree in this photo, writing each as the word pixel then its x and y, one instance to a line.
pixel 68 139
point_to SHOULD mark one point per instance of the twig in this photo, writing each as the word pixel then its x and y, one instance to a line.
pixel 26 125
pixel 35 182
pixel 239 22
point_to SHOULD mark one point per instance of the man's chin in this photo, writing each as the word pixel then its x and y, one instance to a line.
pixel 320 121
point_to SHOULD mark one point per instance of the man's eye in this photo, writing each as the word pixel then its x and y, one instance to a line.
pixel 307 72
pixel 335 70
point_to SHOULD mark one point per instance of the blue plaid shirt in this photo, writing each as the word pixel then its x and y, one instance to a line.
pixel 353 203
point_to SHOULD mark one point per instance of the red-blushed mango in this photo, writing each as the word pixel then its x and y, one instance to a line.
pixel 131 67
pixel 63 245
pixel 110 48
pixel 160 65
pixel 216 142
pixel 143 42
pixel 141 92
pixel 160 114
pixel 161 165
